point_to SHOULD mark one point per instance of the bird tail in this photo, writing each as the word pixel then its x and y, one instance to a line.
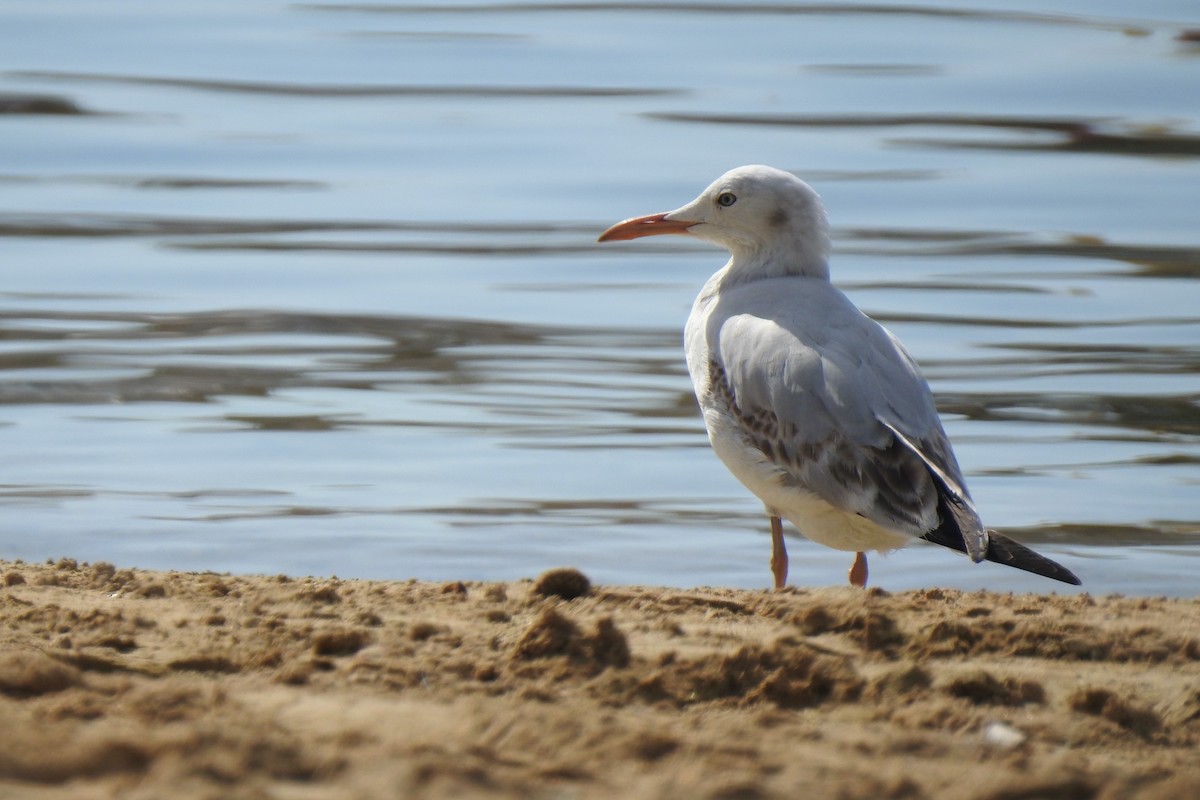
pixel 1000 549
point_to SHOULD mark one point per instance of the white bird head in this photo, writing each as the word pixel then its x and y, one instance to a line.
pixel 772 223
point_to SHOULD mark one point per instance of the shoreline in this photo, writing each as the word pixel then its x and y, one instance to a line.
pixel 139 683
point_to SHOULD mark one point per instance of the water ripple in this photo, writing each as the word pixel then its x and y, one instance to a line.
pixel 541 385
pixel 1042 134
pixel 1128 27
pixel 343 90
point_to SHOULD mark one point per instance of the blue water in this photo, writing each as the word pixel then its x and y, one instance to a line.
pixel 314 288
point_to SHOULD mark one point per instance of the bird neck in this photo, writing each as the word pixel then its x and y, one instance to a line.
pixel 790 259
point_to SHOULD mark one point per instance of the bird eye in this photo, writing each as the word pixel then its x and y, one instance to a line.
pixel 726 199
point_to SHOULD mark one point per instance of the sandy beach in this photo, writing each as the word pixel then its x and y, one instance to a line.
pixel 138 684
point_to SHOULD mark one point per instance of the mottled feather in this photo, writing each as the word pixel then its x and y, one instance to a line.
pixel 822 389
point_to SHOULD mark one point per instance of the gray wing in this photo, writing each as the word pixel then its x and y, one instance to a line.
pixel 834 400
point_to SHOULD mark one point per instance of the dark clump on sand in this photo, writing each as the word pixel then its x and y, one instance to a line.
pixel 564 582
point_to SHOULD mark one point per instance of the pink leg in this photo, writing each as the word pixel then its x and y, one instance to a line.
pixel 858 572
pixel 779 561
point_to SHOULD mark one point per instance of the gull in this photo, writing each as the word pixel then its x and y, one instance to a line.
pixel 815 407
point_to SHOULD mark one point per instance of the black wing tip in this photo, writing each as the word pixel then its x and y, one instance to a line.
pixel 1071 578
pixel 955 510
pixel 1056 572
pixel 1003 550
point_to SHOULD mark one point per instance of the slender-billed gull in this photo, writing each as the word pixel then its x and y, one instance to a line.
pixel 815 407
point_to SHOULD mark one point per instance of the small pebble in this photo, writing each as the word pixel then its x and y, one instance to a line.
pixel 1002 735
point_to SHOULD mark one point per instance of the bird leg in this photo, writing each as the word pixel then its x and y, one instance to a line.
pixel 858 572
pixel 778 553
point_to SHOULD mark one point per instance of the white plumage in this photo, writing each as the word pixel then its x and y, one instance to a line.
pixel 815 407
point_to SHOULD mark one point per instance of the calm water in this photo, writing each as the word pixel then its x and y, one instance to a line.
pixel 313 288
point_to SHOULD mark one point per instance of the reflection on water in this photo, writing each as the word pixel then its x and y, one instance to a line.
pixel 315 288
pixel 159 182
pixel 38 104
pixel 94 225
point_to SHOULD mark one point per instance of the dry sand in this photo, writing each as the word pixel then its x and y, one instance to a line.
pixel 130 683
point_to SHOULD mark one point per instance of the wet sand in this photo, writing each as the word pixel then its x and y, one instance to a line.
pixel 139 684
